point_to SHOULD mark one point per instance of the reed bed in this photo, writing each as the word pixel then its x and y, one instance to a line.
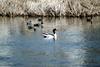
pixel 49 7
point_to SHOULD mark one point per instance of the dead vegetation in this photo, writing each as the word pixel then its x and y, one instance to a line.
pixel 49 7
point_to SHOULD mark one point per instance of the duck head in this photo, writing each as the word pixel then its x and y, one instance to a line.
pixel 54 30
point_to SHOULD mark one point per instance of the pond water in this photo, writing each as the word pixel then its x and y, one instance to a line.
pixel 78 43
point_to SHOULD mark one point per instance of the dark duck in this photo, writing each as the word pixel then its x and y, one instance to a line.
pixel 29 25
pixel 89 19
pixel 40 22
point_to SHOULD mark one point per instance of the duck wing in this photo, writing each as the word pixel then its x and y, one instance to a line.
pixel 45 34
pixel 48 36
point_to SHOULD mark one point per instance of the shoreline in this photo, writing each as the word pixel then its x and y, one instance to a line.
pixel 47 16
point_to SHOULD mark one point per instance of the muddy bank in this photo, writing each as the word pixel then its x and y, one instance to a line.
pixel 49 7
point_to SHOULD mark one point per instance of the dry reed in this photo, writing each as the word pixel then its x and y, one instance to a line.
pixel 49 7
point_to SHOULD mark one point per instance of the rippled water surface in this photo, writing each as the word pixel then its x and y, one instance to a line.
pixel 78 43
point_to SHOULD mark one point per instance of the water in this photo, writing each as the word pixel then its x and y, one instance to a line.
pixel 78 43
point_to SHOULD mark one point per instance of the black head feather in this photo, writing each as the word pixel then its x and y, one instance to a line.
pixel 54 30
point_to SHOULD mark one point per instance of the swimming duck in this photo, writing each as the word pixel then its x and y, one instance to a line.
pixel 40 19
pixel 51 36
pixel 38 24
pixel 29 24
pixel 89 19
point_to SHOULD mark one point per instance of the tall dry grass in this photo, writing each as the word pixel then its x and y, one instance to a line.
pixel 50 7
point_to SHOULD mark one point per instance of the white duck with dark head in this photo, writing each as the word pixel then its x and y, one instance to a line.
pixel 51 36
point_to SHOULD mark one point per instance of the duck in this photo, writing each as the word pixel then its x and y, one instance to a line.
pixel 40 19
pixel 89 19
pixel 38 24
pixel 51 36
pixel 29 24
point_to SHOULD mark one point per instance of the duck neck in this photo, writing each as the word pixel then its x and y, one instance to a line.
pixel 54 32
pixel 55 36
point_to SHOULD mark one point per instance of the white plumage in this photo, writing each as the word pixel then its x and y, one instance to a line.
pixel 50 36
